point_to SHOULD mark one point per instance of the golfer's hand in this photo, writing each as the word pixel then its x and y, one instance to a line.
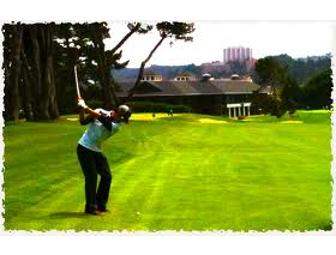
pixel 82 104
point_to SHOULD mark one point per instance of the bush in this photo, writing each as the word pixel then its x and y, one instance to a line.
pixel 317 90
pixel 157 107
pixel 267 104
pixel 94 104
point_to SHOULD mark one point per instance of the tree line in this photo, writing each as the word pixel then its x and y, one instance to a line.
pixel 286 92
pixel 39 60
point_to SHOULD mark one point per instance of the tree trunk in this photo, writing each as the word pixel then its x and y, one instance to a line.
pixel 53 107
pixel 45 103
pixel 44 89
pixel 12 101
pixel 6 67
pixel 26 88
pixel 36 70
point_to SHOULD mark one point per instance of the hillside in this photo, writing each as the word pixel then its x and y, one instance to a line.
pixel 301 69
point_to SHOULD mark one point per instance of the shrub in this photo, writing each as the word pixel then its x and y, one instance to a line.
pixel 144 106
pixel 93 103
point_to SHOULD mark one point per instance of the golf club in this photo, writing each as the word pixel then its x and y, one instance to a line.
pixel 76 80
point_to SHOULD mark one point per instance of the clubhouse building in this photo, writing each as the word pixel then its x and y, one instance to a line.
pixel 231 97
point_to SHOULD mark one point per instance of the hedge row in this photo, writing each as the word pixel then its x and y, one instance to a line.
pixel 157 107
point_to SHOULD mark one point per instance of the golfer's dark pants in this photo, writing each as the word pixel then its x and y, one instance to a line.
pixel 94 163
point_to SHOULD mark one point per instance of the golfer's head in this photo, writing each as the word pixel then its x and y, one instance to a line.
pixel 124 112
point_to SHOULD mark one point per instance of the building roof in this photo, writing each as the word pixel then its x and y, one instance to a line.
pixel 188 88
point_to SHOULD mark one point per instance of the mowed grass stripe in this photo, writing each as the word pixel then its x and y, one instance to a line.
pixel 62 203
pixel 144 181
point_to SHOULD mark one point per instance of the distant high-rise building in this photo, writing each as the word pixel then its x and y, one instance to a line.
pixel 240 54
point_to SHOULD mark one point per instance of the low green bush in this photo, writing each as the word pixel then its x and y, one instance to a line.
pixel 157 107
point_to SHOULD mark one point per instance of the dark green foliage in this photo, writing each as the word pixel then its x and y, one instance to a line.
pixel 82 45
pixel 269 72
pixel 303 69
pixel 12 68
pixel 176 30
pixel 39 61
pixel 285 94
pixel 266 104
pixel 317 90
pixel 94 103
pixel 29 51
pixel 291 96
pixel 141 28
pixel 41 72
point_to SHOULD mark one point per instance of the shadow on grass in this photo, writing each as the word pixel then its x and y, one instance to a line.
pixel 67 215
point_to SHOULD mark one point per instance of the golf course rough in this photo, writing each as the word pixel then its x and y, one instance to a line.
pixel 187 172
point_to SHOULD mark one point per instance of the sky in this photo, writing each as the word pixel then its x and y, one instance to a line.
pixel 297 39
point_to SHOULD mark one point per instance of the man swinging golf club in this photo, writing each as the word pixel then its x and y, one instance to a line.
pixel 102 125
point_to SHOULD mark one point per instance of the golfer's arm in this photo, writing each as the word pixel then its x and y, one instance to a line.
pixel 106 123
pixel 92 113
pixel 96 115
pixel 84 119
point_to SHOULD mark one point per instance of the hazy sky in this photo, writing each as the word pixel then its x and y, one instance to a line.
pixel 297 39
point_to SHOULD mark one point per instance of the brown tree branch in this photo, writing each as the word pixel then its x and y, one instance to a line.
pixel 125 38
pixel 142 67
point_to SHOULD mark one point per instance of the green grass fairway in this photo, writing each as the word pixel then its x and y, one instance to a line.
pixel 187 172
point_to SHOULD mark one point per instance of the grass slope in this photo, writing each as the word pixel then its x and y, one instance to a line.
pixel 189 172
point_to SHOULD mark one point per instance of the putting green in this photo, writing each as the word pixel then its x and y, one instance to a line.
pixel 213 121
pixel 292 121
pixel 186 172
pixel 149 116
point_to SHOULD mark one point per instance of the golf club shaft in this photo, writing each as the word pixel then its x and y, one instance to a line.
pixel 76 80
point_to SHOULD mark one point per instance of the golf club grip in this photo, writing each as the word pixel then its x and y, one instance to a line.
pixel 76 80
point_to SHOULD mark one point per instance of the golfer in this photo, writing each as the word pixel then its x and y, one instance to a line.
pixel 102 125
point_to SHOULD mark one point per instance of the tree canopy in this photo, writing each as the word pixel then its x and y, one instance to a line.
pixel 317 90
pixel 285 93
pixel 39 59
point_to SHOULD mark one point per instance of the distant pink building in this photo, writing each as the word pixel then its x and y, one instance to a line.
pixel 240 54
